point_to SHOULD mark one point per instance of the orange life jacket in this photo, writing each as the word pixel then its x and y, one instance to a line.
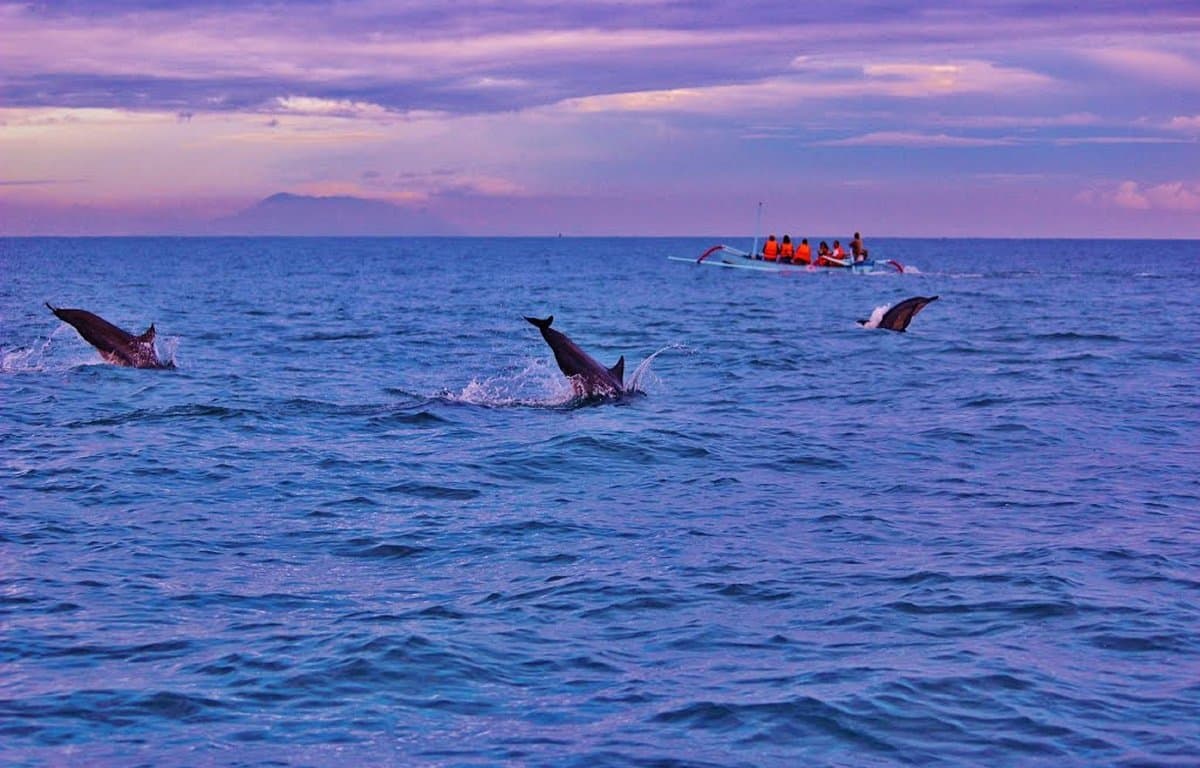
pixel 770 250
pixel 787 250
pixel 803 255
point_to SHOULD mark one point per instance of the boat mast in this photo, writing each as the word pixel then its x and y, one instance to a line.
pixel 757 227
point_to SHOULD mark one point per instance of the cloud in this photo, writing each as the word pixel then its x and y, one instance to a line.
pixel 484 56
pixel 1128 195
pixel 1185 123
pixel 826 80
pixel 37 119
pixel 308 105
pixel 36 182
pixel 1175 196
pixel 1068 141
pixel 917 80
pixel 1070 120
pixel 914 140
pixel 445 182
pixel 1153 65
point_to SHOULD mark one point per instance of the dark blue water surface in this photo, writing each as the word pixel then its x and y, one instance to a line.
pixel 364 523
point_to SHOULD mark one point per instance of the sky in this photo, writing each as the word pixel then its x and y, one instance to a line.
pixel 937 118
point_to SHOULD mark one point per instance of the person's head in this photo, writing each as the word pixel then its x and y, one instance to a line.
pixel 857 236
pixel 787 238
pixel 771 237
pixel 804 241
pixel 836 243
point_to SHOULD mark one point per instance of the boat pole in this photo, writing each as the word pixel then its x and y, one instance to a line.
pixel 757 227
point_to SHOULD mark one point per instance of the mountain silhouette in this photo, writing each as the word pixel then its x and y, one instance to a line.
pixel 287 214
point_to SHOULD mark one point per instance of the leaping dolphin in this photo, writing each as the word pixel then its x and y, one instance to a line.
pixel 898 317
pixel 588 377
pixel 115 345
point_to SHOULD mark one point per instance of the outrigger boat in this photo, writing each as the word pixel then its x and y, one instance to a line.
pixel 728 256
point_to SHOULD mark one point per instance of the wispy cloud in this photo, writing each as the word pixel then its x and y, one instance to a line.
pixel 1177 196
pixel 914 140
pixel 307 105
pixel 1067 141
pixel 826 81
pixel 920 80
pixel 1070 120
pixel 1184 123
pixel 442 182
pixel 1172 68
pixel 36 182
pixel 16 119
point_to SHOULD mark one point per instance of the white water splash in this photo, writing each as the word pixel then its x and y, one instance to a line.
pixel 170 348
pixel 536 385
pixel 876 316
pixel 642 375
pixel 37 357
pixel 540 385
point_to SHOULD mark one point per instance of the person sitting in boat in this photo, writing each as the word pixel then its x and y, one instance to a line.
pixel 857 248
pixel 803 253
pixel 771 249
pixel 823 254
pixel 786 249
pixel 838 253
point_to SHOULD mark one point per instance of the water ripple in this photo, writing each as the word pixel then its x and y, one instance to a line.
pixel 367 522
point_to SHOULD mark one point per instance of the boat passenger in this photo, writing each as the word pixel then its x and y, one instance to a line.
pixel 838 253
pixel 786 249
pixel 771 249
pixel 856 248
pixel 823 254
pixel 803 253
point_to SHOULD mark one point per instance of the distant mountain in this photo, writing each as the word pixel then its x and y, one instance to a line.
pixel 286 214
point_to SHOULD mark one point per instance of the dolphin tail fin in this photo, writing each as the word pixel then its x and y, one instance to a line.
pixel 618 370
pixel 543 324
pixel 148 336
pixel 52 308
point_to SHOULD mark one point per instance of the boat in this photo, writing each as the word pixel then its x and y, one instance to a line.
pixel 727 256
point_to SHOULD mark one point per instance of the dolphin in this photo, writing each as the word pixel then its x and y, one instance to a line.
pixel 588 377
pixel 898 317
pixel 116 346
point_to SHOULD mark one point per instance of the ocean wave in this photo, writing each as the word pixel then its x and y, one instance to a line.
pixel 969 544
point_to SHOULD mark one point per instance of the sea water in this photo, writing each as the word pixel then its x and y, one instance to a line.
pixel 364 522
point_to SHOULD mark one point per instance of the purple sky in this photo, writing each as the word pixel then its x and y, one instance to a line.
pixel 658 117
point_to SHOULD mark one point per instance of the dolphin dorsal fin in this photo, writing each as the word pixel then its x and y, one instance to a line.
pixel 148 336
pixel 618 370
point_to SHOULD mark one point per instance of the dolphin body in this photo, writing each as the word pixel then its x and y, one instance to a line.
pixel 115 345
pixel 898 317
pixel 588 377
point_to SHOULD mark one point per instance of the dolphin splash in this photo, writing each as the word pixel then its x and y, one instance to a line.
pixel 898 317
pixel 588 377
pixel 115 345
